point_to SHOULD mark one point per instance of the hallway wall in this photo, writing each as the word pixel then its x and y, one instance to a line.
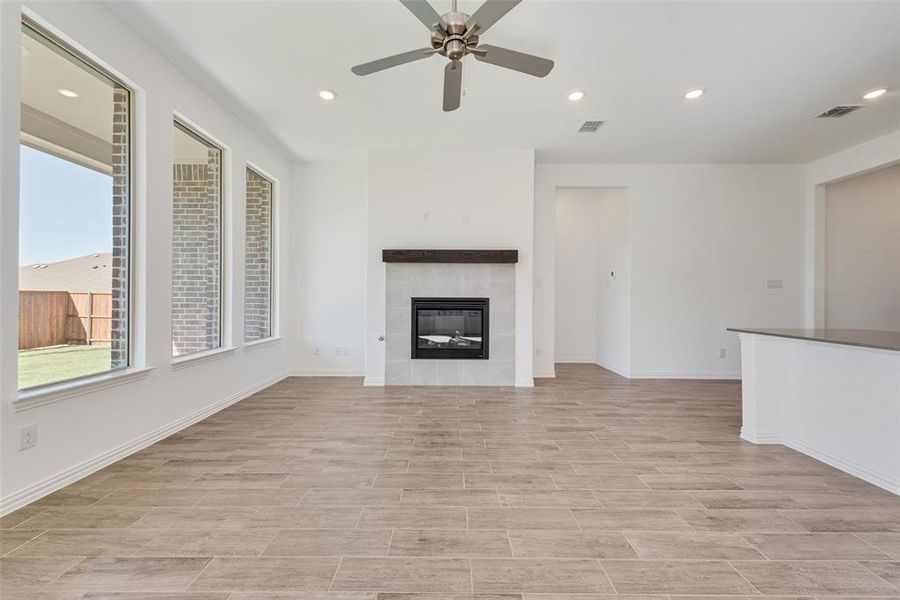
pixel 862 251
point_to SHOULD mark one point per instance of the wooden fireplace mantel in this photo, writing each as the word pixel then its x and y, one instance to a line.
pixel 450 256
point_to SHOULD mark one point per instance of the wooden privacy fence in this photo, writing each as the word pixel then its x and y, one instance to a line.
pixel 57 318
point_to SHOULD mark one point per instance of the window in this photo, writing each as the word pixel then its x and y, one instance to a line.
pixel 196 243
pixel 258 258
pixel 74 215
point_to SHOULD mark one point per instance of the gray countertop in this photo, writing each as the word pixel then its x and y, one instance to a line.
pixel 866 338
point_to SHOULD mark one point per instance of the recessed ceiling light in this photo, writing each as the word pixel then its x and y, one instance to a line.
pixel 871 95
pixel 67 93
pixel 327 95
pixel 576 95
pixel 694 94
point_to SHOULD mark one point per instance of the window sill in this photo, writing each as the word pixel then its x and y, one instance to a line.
pixel 200 358
pixel 262 343
pixel 28 399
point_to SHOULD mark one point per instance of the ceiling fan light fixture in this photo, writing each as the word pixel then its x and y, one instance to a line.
pixel 576 95
pixel 876 93
pixel 327 94
pixel 694 94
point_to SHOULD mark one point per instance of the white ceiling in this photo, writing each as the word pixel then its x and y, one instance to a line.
pixel 767 67
pixel 44 71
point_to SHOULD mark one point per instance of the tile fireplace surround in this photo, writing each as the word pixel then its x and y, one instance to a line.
pixel 407 280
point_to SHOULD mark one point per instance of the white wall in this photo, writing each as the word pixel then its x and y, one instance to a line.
pixel 79 434
pixel 614 280
pixel 330 232
pixel 704 240
pixel 420 199
pixel 862 251
pixel 577 252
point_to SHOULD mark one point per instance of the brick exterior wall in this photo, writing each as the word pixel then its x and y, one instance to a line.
pixel 120 228
pixel 196 260
pixel 258 258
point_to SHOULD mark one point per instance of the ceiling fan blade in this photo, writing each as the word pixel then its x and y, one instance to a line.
pixel 489 13
pixel 517 61
pixel 452 85
pixel 425 13
pixel 392 61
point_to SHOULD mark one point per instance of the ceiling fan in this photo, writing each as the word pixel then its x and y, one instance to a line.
pixel 456 34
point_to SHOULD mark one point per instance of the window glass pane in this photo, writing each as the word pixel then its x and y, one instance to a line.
pixel 196 244
pixel 73 216
pixel 258 258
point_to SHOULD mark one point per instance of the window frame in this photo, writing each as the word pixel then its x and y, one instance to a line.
pixel 189 127
pixel 128 371
pixel 274 303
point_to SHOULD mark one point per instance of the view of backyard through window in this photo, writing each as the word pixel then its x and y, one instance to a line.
pixel 73 217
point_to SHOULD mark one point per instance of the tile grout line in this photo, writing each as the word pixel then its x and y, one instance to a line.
pixel 52 581
pixel 390 541
pixel 28 541
pixel 860 563
pixel 608 578
pixel 197 576
pixel 334 577
pixel 736 570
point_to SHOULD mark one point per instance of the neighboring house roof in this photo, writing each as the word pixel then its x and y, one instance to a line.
pixel 91 273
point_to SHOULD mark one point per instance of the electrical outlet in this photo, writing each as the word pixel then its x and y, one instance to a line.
pixel 722 352
pixel 426 217
pixel 774 284
pixel 317 351
pixel 28 437
pixel 341 350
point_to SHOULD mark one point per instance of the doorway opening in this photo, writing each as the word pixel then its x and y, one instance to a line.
pixel 593 277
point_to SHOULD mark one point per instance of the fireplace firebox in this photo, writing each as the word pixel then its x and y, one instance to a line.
pixel 450 328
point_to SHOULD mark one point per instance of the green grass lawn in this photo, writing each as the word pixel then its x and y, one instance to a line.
pixel 48 365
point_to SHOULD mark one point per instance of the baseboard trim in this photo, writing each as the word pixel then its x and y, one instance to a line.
pixel 525 382
pixel 760 437
pixel 545 374
pixel 55 482
pixel 851 467
pixel 326 373
pixel 373 381
pixel 626 373
pixel 712 375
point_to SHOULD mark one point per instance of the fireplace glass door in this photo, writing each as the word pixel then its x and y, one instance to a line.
pixel 450 328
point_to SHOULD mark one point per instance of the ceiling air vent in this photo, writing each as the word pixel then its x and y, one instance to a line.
pixel 838 111
pixel 591 126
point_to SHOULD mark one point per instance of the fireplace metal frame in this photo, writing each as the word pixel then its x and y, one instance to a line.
pixel 482 304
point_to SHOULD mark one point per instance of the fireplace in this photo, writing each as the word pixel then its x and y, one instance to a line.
pixel 450 328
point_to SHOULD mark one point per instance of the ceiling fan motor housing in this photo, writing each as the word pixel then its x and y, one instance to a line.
pixel 451 43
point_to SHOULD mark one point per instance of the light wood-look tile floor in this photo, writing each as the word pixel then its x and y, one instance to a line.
pixel 585 487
